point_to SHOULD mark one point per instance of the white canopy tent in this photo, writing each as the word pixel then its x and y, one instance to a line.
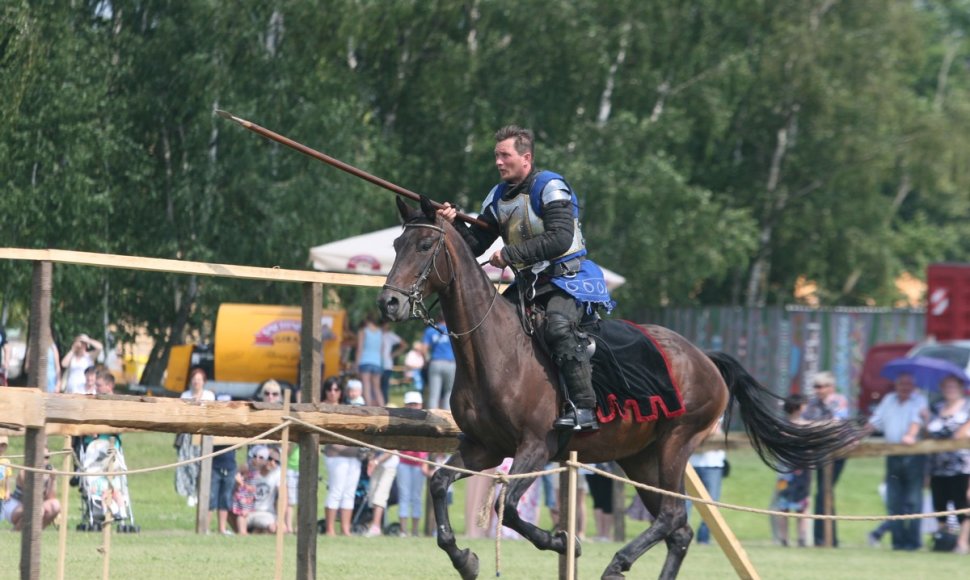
pixel 373 253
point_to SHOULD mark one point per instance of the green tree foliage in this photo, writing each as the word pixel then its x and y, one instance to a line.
pixel 722 150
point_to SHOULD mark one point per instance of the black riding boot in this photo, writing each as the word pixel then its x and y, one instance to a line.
pixel 580 412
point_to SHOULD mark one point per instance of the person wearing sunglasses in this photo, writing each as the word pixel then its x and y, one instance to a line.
pixel 826 404
pixel 269 391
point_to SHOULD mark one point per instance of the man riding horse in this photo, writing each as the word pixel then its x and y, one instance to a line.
pixel 537 215
pixel 503 401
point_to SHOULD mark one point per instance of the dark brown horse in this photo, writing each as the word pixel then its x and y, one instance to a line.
pixel 504 400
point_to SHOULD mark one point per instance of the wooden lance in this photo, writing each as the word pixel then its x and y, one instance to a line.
pixel 341 165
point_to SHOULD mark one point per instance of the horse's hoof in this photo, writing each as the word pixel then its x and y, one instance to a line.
pixel 467 564
pixel 612 576
pixel 559 544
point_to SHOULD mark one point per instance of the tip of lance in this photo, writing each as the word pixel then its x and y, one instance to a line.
pixel 231 117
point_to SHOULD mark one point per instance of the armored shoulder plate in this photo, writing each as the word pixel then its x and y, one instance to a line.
pixel 555 190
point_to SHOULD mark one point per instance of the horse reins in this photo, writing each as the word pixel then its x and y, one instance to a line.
pixel 415 294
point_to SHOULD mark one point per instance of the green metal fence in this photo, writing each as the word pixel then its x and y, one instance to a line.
pixel 783 347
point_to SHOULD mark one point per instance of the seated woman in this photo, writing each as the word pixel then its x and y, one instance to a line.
pixel 13 507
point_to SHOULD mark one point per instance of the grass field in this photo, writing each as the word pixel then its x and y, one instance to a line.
pixel 168 548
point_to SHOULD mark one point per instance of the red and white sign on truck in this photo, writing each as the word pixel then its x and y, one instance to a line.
pixel 948 301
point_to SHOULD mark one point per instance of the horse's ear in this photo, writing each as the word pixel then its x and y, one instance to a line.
pixel 404 209
pixel 428 208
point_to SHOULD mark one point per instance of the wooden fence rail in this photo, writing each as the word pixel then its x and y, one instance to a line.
pixel 187 267
pixel 431 430
pixel 36 414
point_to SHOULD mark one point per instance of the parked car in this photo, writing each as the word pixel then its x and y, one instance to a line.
pixel 954 351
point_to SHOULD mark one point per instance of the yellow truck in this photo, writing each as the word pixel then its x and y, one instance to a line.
pixel 253 343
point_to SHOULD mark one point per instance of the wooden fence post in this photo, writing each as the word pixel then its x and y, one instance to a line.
pixel 109 523
pixel 282 491
pixel 204 488
pixel 311 359
pixel 565 509
pixel 719 529
pixel 571 518
pixel 828 471
pixel 34 442
pixel 619 505
pixel 62 532
pixel 36 438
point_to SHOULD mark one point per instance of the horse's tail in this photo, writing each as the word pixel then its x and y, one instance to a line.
pixel 781 444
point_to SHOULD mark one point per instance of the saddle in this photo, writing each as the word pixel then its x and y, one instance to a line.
pixel 631 375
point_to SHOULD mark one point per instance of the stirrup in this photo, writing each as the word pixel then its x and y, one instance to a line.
pixel 577 420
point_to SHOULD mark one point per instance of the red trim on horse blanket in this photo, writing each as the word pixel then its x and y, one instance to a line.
pixel 642 386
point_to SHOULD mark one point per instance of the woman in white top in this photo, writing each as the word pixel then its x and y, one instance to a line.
pixel 83 354
pixel 197 391
pixel 187 476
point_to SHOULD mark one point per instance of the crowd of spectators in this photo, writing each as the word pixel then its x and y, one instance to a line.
pixel 243 498
pixel 903 417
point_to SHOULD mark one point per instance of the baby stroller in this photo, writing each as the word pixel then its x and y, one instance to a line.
pixel 103 495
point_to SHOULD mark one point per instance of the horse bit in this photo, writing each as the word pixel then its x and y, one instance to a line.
pixel 418 309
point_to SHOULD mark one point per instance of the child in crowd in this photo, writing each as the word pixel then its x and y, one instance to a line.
pixel 414 362
pixel 107 490
pixel 244 496
pixel 355 392
pixel 6 473
pixel 792 488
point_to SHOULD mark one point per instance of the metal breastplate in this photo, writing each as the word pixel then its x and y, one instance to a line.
pixel 518 223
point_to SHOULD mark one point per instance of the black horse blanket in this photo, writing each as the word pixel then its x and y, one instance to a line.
pixel 631 374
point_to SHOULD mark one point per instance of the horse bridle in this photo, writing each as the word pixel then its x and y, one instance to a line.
pixel 415 293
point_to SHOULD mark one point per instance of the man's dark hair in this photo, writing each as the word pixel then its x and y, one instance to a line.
pixel 794 402
pixel 524 138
